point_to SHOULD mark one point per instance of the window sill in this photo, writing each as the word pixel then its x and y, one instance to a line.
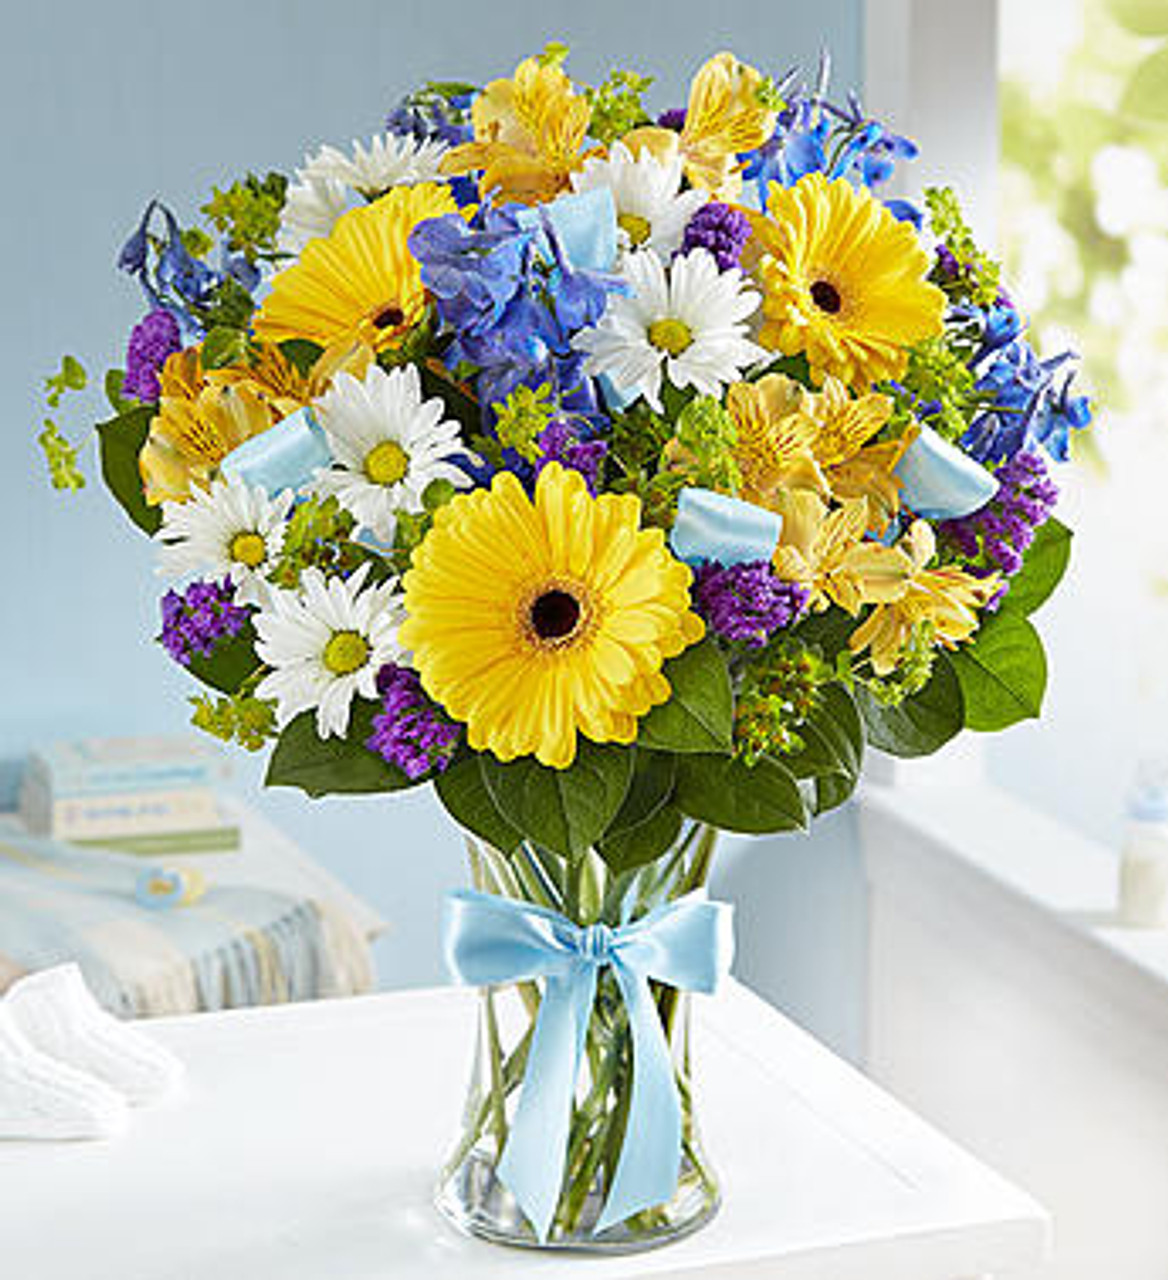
pixel 949 853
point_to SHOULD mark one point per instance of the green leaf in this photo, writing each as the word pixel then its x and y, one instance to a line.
pixel 827 631
pixel 564 810
pixel 838 719
pixel 1002 673
pixel 1143 17
pixel 114 379
pixel 699 716
pixel 468 801
pixel 638 845
pixel 229 664
pixel 833 749
pixel 120 441
pixel 332 766
pixel 1146 95
pixel 920 724
pixel 731 795
pixel 223 345
pixel 654 775
pixel 458 403
pixel 832 790
pixel 301 353
pixel 1042 569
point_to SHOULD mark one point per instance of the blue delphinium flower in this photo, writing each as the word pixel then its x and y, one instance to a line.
pixel 171 277
pixel 1029 402
pixel 814 136
pixel 512 301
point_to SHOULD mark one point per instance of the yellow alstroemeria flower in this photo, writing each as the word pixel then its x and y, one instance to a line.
pixel 276 380
pixel 726 115
pixel 197 425
pixel 789 437
pixel 947 598
pixel 825 551
pixel 774 450
pixel 529 132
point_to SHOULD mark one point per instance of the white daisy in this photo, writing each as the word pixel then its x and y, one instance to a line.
pixel 651 209
pixel 387 444
pixel 687 321
pixel 325 644
pixel 390 160
pixel 330 181
pixel 312 205
pixel 230 528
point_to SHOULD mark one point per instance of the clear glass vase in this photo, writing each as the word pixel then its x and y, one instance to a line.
pixel 470 1193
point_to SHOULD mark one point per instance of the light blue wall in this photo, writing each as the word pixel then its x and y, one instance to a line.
pixel 106 105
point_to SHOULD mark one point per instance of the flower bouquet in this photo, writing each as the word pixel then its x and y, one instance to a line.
pixel 621 478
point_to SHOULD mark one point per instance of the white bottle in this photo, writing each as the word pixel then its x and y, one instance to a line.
pixel 1143 872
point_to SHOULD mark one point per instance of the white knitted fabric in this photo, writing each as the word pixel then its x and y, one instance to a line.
pixel 59 1016
pixel 43 1098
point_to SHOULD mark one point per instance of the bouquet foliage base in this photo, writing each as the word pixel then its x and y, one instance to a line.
pixel 471 1194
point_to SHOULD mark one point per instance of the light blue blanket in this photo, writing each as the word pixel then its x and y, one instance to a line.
pixel 235 946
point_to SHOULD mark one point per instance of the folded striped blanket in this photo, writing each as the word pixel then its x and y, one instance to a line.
pixel 235 946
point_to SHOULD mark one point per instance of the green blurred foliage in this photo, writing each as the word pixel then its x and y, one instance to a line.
pixel 1112 92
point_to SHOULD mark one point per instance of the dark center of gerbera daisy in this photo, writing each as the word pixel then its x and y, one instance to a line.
pixel 554 614
pixel 389 318
pixel 826 297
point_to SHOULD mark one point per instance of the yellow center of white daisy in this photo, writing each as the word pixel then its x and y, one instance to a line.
pixel 248 548
pixel 387 463
pixel 346 652
pixel 670 335
pixel 638 229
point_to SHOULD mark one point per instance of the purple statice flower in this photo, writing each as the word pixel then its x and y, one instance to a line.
pixel 995 538
pixel 559 443
pixel 152 340
pixel 410 732
pixel 673 118
pixel 195 620
pixel 721 229
pixel 746 601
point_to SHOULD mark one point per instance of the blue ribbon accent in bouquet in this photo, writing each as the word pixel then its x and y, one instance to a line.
pixel 585 223
pixel 687 944
pixel 940 481
pixel 715 526
pixel 284 457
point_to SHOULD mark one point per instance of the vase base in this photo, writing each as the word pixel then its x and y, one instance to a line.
pixel 473 1199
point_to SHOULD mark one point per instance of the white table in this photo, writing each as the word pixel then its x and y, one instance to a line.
pixel 308 1143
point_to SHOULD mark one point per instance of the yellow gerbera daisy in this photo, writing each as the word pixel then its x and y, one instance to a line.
pixel 843 281
pixel 567 631
pixel 360 281
pixel 528 134
pixel 198 423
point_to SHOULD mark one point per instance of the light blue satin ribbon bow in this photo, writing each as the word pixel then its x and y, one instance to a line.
pixel 585 223
pixel 941 482
pixel 687 944
pixel 714 526
pixel 283 457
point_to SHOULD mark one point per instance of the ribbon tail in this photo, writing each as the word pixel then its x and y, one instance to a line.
pixel 532 1164
pixel 650 1158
